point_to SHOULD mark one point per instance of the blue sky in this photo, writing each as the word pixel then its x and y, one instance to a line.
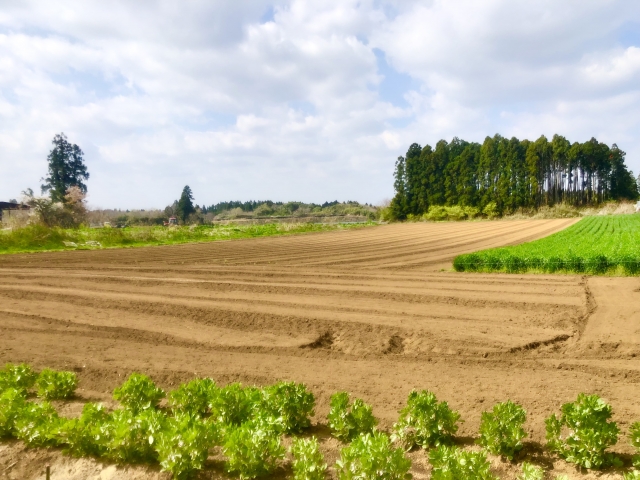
pixel 300 100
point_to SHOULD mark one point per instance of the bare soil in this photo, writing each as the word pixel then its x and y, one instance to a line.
pixel 374 311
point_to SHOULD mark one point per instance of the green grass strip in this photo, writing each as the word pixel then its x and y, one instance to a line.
pixel 597 245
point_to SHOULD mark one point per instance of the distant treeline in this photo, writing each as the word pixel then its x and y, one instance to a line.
pixel 511 174
pixel 252 205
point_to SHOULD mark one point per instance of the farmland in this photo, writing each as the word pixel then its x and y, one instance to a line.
pixel 368 311
pixel 595 245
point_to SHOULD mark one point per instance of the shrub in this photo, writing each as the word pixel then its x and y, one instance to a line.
pixel 183 444
pixel 130 436
pixel 436 213
pixel 372 456
pixel 451 463
pixel 84 435
pixel 20 377
pixel 590 432
pixel 252 452
pixel 531 472
pixel 424 422
pixel 138 393
pixel 348 421
pixel 38 425
pixel 289 404
pixel 491 210
pixel 12 402
pixel 308 462
pixel 235 404
pixel 501 430
pixel 193 397
pixel 53 385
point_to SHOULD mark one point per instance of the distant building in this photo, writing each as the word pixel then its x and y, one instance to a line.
pixel 7 206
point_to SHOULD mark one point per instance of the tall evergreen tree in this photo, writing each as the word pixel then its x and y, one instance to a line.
pixel 185 204
pixel 66 169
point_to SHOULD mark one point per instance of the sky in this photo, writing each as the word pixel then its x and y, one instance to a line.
pixel 300 100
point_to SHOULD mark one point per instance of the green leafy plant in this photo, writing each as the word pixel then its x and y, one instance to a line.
pixel 634 434
pixel 38 425
pixel 183 444
pixel 632 475
pixel 54 385
pixel 289 404
pixel 12 402
pixel 501 431
pixel 20 377
pixel 130 437
pixel 531 472
pixel 451 463
pixel 235 404
pixel 84 436
pixel 252 452
pixel 138 393
pixel 347 421
pixel 308 462
pixel 193 397
pixel 590 432
pixel 424 422
pixel 372 456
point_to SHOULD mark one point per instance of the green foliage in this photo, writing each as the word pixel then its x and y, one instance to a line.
pixel 54 385
pixel 38 425
pixel 20 377
pixel 590 432
pixel 193 397
pixel 490 210
pixel 138 393
pixel 531 472
pixel 252 452
pixel 84 436
pixel 632 475
pixel 424 422
pixel 235 404
pixel 308 462
pixel 451 463
pixel 289 404
pixel 12 402
pixel 372 456
pixel 501 431
pixel 130 437
pixel 183 444
pixel 634 434
pixel 185 204
pixel 66 168
pixel 348 421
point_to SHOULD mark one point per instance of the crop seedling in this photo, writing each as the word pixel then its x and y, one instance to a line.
pixel 348 421
pixel 451 463
pixel 632 475
pixel 20 377
pixel 424 422
pixel 252 452
pixel 308 462
pixel 183 444
pixel 590 432
pixel 84 436
pixel 138 393
pixel 531 472
pixel 38 425
pixel 501 431
pixel 235 404
pixel 372 456
pixel 289 404
pixel 634 434
pixel 12 402
pixel 54 385
pixel 193 397
pixel 131 437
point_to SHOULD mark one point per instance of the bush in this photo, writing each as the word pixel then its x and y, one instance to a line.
pixel 53 385
pixel 38 425
pixel 183 444
pixel 531 472
pixel 235 404
pixel 289 404
pixel 348 421
pixel 424 422
pixel 12 402
pixel 193 397
pixel 372 456
pixel 501 431
pixel 84 435
pixel 436 213
pixel 138 393
pixel 491 210
pixel 308 462
pixel 20 377
pixel 130 437
pixel 451 463
pixel 252 452
pixel 590 432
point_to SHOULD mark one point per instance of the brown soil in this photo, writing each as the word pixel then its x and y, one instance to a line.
pixel 375 311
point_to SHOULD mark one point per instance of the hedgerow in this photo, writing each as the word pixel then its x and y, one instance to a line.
pixel 501 431
pixel 452 463
pixel 372 456
pixel 308 462
pixel 346 420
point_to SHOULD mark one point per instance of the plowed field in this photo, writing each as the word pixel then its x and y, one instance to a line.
pixel 374 311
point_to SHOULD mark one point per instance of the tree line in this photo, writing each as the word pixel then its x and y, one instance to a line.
pixel 510 173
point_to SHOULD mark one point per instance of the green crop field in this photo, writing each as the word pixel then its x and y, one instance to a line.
pixel 595 245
